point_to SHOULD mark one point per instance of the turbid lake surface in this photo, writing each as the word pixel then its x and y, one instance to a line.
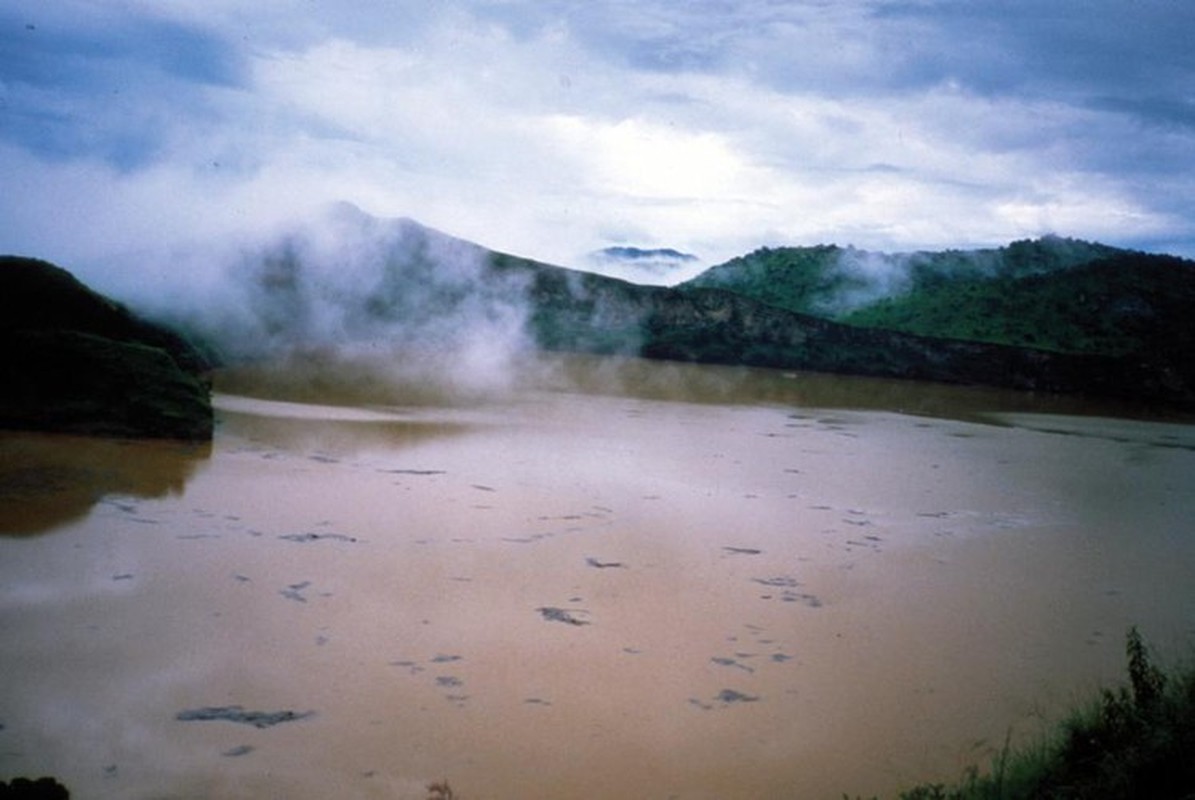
pixel 617 580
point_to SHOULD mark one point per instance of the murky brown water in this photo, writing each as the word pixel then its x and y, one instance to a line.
pixel 786 587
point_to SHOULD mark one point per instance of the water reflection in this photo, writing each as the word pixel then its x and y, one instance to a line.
pixel 49 480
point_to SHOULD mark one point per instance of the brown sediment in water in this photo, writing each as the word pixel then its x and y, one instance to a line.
pixel 591 594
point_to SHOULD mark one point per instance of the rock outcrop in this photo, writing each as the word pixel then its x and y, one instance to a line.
pixel 72 360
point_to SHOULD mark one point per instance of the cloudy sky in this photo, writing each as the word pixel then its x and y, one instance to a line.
pixel 552 128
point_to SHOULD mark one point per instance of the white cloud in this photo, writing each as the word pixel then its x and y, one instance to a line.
pixel 551 129
pixel 639 159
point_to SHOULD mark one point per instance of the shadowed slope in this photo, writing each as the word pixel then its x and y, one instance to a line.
pixel 72 360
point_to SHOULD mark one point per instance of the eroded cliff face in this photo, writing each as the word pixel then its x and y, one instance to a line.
pixel 72 360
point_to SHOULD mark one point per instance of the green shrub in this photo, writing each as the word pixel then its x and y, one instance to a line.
pixel 1134 741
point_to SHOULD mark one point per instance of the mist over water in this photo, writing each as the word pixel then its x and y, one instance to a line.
pixel 396 303
pixel 390 298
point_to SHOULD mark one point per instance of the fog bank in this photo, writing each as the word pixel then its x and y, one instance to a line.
pixel 341 290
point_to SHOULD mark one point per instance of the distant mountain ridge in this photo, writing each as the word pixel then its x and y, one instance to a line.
pixel 637 263
pixel 639 254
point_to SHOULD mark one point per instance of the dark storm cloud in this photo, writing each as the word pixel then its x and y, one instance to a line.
pixel 80 85
pixel 1082 51
pixel 1072 50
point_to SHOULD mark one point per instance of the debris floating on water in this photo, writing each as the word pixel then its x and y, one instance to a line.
pixel 734 696
pixel 303 538
pixel 553 614
pixel 258 719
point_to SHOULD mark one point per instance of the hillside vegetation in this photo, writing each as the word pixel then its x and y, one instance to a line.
pixel 1130 742
pixel 1052 294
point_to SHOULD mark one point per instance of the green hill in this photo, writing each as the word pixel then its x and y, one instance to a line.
pixel 1056 294
pixel 1123 304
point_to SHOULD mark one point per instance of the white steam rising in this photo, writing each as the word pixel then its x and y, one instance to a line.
pixel 400 301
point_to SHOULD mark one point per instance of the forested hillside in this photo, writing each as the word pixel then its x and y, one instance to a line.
pixel 1053 294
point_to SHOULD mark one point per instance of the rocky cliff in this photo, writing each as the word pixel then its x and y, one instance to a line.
pixel 71 360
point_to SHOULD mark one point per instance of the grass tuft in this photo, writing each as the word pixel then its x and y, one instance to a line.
pixel 1134 741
